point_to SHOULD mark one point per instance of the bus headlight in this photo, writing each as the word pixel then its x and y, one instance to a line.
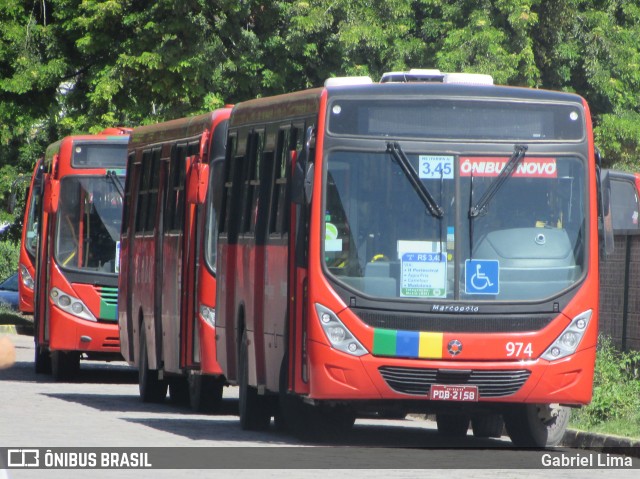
pixel 208 314
pixel 27 279
pixel 568 341
pixel 71 305
pixel 338 334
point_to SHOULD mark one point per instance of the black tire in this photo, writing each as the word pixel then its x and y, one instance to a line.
pixel 179 391
pixel 537 425
pixel 42 360
pixel 255 413
pixel 452 425
pixel 307 422
pixel 487 425
pixel 65 365
pixel 151 388
pixel 205 393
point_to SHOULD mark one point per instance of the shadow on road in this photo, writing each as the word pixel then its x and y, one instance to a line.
pixel 132 403
pixel 91 372
pixel 383 434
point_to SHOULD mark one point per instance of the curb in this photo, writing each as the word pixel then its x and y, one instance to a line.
pixel 574 438
pixel 601 442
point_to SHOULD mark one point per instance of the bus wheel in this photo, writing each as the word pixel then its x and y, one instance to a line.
pixel 487 425
pixel 42 360
pixel 307 422
pixel 537 425
pixel 179 391
pixel 151 388
pixel 205 393
pixel 452 425
pixel 255 413
pixel 64 365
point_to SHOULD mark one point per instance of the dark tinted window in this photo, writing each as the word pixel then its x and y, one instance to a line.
pixel 456 119
pixel 624 205
pixel 99 155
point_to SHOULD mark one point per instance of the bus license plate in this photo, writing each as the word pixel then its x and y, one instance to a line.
pixel 445 392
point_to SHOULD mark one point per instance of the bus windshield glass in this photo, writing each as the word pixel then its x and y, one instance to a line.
pixel 88 225
pixel 527 244
pixel 31 239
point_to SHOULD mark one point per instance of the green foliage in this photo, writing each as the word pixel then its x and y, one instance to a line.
pixel 9 254
pixel 76 66
pixel 616 390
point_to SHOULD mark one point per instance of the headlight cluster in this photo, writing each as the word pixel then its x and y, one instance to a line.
pixel 568 341
pixel 27 279
pixel 208 314
pixel 71 305
pixel 338 334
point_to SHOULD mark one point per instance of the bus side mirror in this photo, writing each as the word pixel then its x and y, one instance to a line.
pixel 604 206
pixel 51 195
pixel 197 183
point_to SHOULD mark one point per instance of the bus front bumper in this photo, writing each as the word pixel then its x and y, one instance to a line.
pixel 68 333
pixel 334 375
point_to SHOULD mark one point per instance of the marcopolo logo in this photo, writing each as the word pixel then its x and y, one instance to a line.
pixel 454 347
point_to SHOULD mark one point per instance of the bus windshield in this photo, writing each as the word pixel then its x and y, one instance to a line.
pixel 88 224
pixel 528 242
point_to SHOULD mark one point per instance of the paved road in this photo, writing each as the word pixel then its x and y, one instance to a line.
pixel 102 409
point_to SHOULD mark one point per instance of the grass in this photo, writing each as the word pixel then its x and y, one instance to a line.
pixel 23 323
pixel 615 407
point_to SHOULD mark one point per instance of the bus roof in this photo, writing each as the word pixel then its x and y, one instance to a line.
pixel 307 102
pixel 174 129
pixel 56 147
pixel 436 89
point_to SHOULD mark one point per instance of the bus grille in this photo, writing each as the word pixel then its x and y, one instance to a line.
pixel 111 342
pixel 452 323
pixel 491 384
pixel 108 303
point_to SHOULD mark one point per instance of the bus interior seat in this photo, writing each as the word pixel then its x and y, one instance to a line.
pixel 534 262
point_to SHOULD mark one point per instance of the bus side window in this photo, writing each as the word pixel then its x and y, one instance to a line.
pixel 143 200
pixel 251 181
pixel 154 179
pixel 278 218
pixel 126 206
pixel 227 185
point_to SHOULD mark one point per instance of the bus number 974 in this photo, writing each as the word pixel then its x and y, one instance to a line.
pixel 517 349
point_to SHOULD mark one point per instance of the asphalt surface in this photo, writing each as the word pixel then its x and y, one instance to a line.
pixel 572 438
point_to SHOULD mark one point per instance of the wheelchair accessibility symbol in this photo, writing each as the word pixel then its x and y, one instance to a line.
pixel 482 276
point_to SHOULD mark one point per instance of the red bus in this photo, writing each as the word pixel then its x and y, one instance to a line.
pixel 76 274
pixel 167 282
pixel 410 246
pixel 29 242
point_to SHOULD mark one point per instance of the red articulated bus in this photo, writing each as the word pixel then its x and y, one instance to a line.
pixel 29 242
pixel 168 257
pixel 78 230
pixel 425 244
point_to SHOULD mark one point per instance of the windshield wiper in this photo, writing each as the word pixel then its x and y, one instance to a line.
pixel 518 154
pixel 411 174
pixel 111 175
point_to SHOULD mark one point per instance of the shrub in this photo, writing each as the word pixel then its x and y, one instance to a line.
pixel 9 254
pixel 616 386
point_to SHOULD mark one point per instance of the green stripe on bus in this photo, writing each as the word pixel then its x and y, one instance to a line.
pixel 384 342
